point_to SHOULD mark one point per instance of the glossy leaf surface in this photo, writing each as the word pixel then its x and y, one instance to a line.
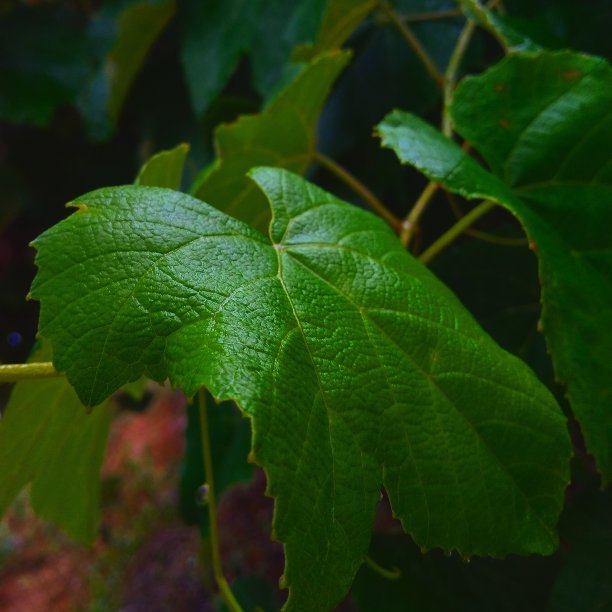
pixel 544 124
pixel 357 367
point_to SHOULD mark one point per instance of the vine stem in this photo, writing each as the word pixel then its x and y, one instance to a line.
pixel 431 16
pixel 413 42
pixel 390 574
pixel 456 230
pixel 357 187
pixel 484 236
pixel 409 224
pixel 14 372
pixel 450 75
pixel 226 592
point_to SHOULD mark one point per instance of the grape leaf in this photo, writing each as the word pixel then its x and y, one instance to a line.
pixel 48 439
pixel 164 169
pixel 507 35
pixel 280 26
pixel 214 37
pixel 340 19
pixel 544 124
pixel 282 135
pixel 357 367
pixel 123 34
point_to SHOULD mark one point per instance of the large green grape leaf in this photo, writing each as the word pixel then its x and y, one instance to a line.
pixel 544 124
pixel 48 439
pixel 356 365
pixel 284 135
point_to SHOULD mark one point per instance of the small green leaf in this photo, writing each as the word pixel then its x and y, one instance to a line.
pixel 357 367
pixel 134 27
pixel 507 35
pixel 544 124
pixel 164 169
pixel 340 19
pixel 48 439
pixel 214 37
pixel 280 27
pixel 282 135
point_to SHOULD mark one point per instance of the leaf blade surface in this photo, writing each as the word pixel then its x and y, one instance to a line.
pixel 357 367
pixel 543 123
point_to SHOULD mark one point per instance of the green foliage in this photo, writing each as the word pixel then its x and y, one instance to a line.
pixel 48 440
pixel 170 287
pixel 44 60
pixel 282 135
pixel 358 369
pixel 543 123
pixel 165 169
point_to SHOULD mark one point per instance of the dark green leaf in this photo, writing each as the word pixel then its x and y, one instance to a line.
pixel 48 439
pixel 508 36
pixel 45 61
pixel 282 135
pixel 584 580
pixel 279 28
pixel 544 124
pixel 340 19
pixel 215 36
pixel 127 31
pixel 357 367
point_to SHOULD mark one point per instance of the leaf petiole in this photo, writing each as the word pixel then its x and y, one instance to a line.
pixel 14 372
pixel 456 230
pixel 358 188
pixel 413 43
pixel 395 573
pixel 224 588
pixel 409 224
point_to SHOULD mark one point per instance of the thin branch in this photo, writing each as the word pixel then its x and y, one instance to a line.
pixel 226 592
pixel 431 16
pixel 410 223
pixel 450 75
pixel 359 188
pixel 395 573
pixel 413 42
pixel 456 230
pixel 479 234
pixel 14 372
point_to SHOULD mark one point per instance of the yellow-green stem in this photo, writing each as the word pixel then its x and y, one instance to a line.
pixel 495 239
pixel 390 574
pixel 484 236
pixel 450 75
pixel 410 223
pixel 357 187
pixel 14 372
pixel 226 592
pixel 413 42
pixel 456 230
